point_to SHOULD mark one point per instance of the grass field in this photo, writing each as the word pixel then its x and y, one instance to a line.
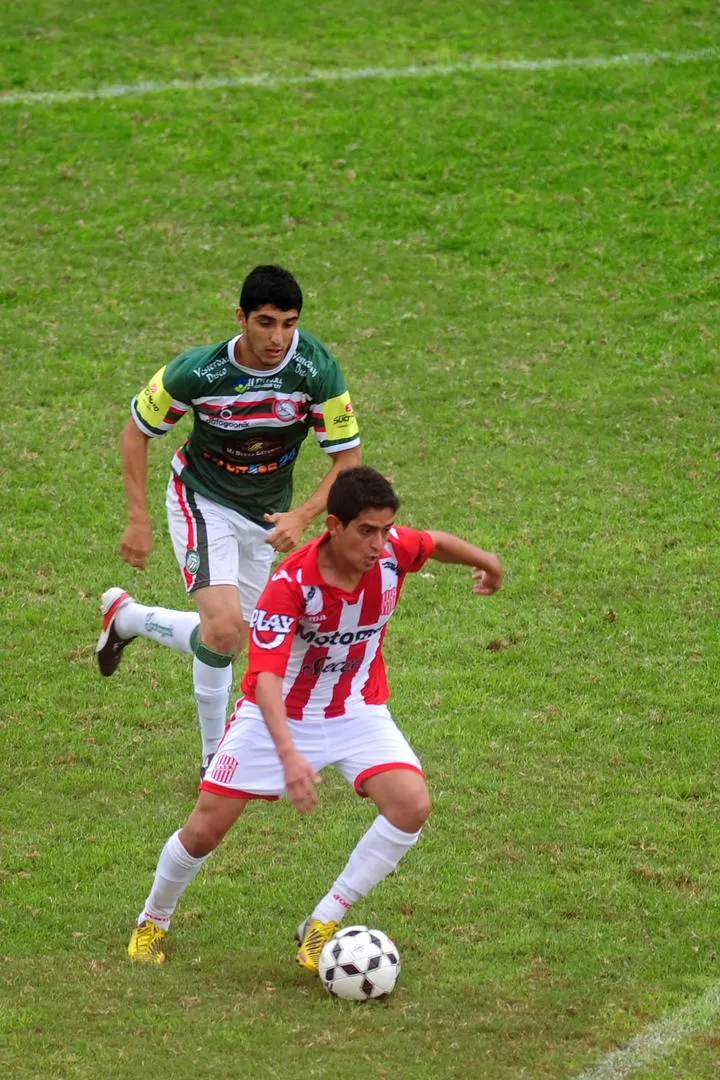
pixel 517 270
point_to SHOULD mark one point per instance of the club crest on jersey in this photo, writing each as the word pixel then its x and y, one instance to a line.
pixel 262 623
pixel 389 601
pixel 285 410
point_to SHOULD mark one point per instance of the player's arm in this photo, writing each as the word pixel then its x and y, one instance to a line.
pixel 335 425
pixel 300 777
pixel 153 412
pixel 137 540
pixel 290 526
pixel 487 569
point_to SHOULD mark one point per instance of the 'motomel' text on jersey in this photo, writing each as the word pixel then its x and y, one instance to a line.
pixel 325 643
pixel 248 425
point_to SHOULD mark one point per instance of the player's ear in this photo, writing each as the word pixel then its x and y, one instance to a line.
pixel 240 314
pixel 333 524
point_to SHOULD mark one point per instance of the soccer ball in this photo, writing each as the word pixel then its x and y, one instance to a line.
pixel 358 964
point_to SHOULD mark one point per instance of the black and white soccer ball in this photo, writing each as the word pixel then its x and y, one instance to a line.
pixel 359 964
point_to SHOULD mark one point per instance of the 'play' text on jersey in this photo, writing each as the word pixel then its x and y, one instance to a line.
pixel 325 643
pixel 248 425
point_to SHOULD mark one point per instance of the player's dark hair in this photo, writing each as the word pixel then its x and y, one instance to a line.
pixel 270 285
pixel 355 490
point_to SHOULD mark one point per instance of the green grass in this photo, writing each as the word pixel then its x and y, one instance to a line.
pixel 518 272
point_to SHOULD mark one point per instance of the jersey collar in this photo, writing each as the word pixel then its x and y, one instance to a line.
pixel 254 371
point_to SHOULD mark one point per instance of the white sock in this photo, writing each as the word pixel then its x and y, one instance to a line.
pixel 376 855
pixel 175 870
pixel 212 694
pixel 164 625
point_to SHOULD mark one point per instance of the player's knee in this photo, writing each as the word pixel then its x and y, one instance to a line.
pixel 419 809
pixel 412 813
pixel 202 834
pixel 224 636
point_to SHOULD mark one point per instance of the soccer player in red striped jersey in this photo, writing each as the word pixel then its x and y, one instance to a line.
pixel 254 399
pixel 314 694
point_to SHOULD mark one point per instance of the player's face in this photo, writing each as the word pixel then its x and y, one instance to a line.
pixel 267 335
pixel 360 543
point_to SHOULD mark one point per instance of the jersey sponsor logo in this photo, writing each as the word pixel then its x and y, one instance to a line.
pixel 313 600
pixel 324 666
pixel 303 364
pixel 261 382
pixel 253 449
pixel 339 416
pixel 348 637
pixel 263 623
pixel 212 369
pixel 241 385
pixel 228 423
pixel 236 469
pixel 153 402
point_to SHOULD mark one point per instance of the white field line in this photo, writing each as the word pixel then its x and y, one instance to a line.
pixel 272 82
pixel 659 1040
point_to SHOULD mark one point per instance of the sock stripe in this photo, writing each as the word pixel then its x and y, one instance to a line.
pixel 210 657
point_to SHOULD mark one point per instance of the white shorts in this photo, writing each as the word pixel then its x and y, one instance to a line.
pixel 215 545
pixel 359 745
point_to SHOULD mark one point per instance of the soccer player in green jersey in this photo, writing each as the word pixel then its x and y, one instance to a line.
pixel 254 398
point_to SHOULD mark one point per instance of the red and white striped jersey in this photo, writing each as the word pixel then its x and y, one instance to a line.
pixel 326 643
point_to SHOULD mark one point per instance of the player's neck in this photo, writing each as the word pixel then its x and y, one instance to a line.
pixel 336 571
pixel 245 356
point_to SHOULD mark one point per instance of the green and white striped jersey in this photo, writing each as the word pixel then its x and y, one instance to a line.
pixel 248 425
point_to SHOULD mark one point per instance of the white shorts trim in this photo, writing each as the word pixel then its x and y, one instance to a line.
pixel 358 745
pixel 215 545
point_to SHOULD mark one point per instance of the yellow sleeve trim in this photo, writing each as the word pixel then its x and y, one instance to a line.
pixel 153 403
pixel 339 417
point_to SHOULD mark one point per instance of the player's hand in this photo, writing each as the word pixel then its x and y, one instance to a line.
pixel 300 781
pixel 287 532
pixel 487 581
pixel 136 544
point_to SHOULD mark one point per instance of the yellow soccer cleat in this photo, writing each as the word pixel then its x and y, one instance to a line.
pixel 315 935
pixel 146 943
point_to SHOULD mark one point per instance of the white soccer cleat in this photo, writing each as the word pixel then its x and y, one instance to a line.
pixel 109 648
